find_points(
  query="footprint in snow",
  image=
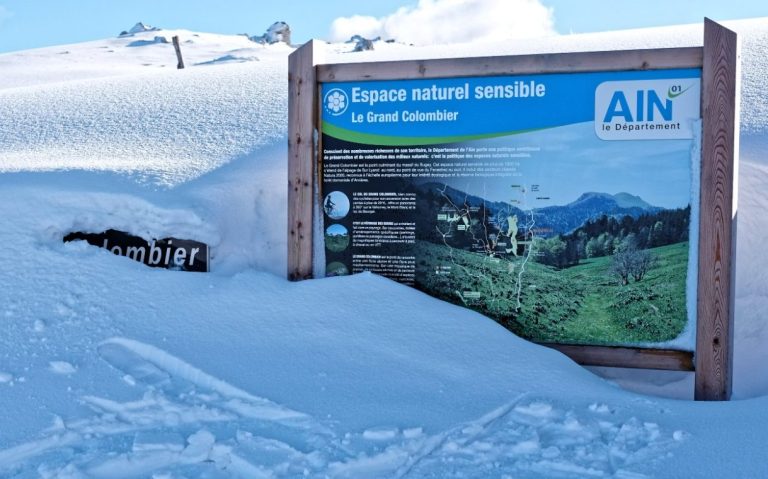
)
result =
(185, 423)
(523, 439)
(62, 367)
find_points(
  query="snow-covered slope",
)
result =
(126, 55)
(161, 124)
(110, 369)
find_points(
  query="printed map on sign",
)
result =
(558, 205)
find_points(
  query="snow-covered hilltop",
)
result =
(140, 50)
(112, 369)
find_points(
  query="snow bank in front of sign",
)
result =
(145, 371)
(139, 372)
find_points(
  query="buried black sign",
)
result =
(169, 253)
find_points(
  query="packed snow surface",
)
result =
(110, 369)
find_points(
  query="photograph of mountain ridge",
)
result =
(603, 269)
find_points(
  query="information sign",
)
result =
(558, 204)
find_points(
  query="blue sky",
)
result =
(35, 23)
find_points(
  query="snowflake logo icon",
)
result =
(336, 101)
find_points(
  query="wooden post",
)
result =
(302, 115)
(717, 238)
(177, 47)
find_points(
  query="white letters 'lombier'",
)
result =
(154, 255)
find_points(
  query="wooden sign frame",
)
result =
(719, 61)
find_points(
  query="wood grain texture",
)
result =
(302, 101)
(720, 101)
(690, 57)
(620, 357)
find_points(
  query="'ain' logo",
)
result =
(647, 104)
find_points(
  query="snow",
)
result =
(112, 369)
(62, 367)
(186, 124)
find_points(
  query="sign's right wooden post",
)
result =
(717, 232)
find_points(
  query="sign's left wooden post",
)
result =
(302, 110)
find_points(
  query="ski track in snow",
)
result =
(189, 422)
(526, 438)
(184, 420)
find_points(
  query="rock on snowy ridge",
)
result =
(277, 32)
(139, 28)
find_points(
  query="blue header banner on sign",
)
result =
(459, 109)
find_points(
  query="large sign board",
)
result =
(557, 204)
(567, 200)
